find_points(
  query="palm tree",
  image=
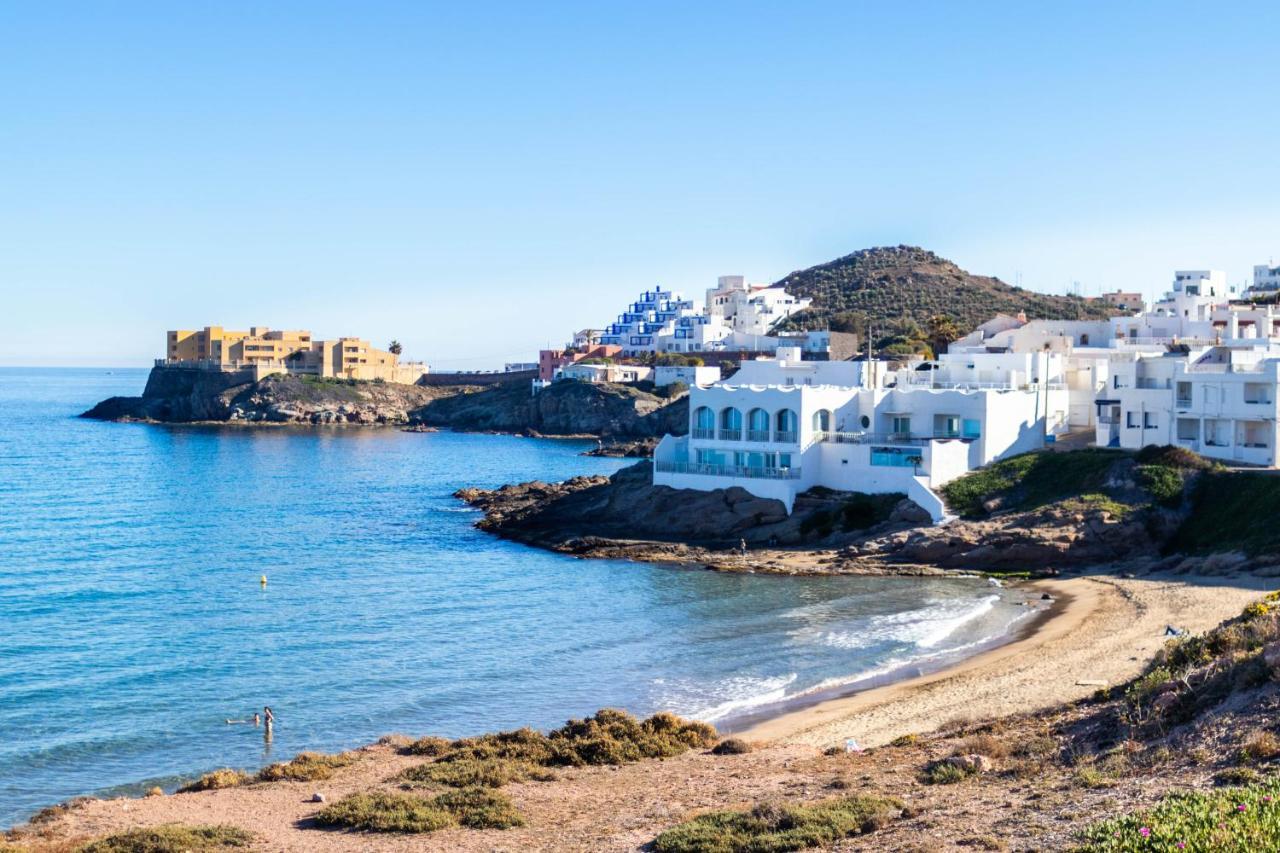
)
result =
(394, 348)
(942, 331)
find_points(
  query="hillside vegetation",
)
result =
(900, 289)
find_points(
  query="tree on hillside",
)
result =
(394, 348)
(942, 331)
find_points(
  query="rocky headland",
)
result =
(612, 412)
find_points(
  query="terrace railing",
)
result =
(741, 471)
(785, 437)
(730, 434)
(703, 432)
(757, 435)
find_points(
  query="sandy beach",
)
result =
(1103, 630)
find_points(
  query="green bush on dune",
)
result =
(172, 838)
(773, 829)
(475, 808)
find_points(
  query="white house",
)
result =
(690, 375)
(584, 372)
(1266, 281)
(782, 426)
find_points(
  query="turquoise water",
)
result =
(132, 622)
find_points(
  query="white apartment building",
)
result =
(738, 316)
(782, 426)
(1266, 281)
(1218, 401)
(690, 375)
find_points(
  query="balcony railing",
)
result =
(757, 435)
(785, 437)
(1183, 402)
(883, 438)
(730, 434)
(741, 471)
(701, 432)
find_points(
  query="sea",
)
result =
(134, 621)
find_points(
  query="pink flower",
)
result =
(1144, 832)
(1242, 807)
(1181, 845)
(1266, 799)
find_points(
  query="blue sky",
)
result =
(480, 179)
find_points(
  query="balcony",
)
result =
(730, 434)
(740, 471)
(700, 432)
(875, 438)
(1184, 402)
(786, 437)
(757, 435)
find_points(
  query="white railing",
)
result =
(757, 435)
(784, 437)
(703, 432)
(730, 434)
(741, 471)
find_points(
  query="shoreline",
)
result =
(1071, 605)
(802, 712)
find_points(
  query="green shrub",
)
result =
(305, 767)
(773, 829)
(476, 808)
(1225, 508)
(468, 773)
(1032, 480)
(383, 812)
(1163, 484)
(905, 740)
(172, 838)
(479, 808)
(944, 773)
(224, 778)
(1231, 820)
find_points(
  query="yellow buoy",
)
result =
(263, 580)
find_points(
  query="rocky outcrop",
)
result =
(563, 408)
(176, 395)
(638, 448)
(1055, 536)
(626, 515)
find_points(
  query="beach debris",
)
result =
(317, 797)
(1171, 631)
(851, 745)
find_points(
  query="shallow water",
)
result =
(133, 623)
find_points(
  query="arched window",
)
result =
(757, 425)
(704, 423)
(731, 424)
(822, 421)
(785, 426)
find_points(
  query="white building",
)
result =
(782, 426)
(585, 372)
(689, 374)
(738, 316)
(1266, 281)
(1218, 401)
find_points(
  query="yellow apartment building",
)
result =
(267, 351)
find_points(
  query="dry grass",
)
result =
(224, 778)
(306, 767)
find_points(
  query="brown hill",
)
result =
(901, 288)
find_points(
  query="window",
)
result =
(1149, 420)
(1131, 420)
(971, 428)
(901, 425)
(784, 460)
(821, 420)
(865, 421)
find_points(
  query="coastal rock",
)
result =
(971, 764)
(626, 513)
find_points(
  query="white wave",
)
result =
(741, 693)
(924, 628)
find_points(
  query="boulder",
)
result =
(972, 763)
